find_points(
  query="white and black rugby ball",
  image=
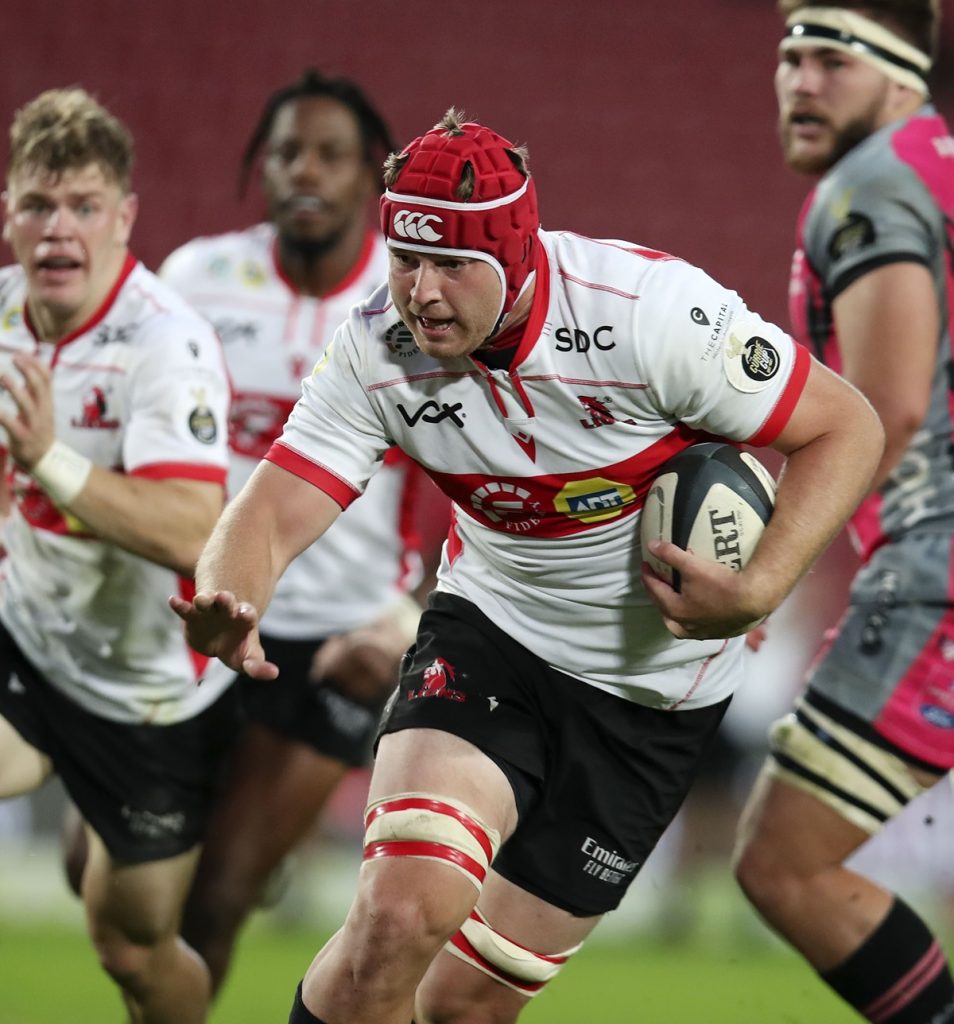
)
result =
(711, 499)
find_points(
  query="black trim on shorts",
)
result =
(822, 782)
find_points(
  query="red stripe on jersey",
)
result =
(411, 803)
(432, 851)
(180, 471)
(337, 488)
(559, 505)
(199, 661)
(785, 406)
(460, 942)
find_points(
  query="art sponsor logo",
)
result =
(598, 412)
(580, 341)
(436, 682)
(400, 341)
(418, 226)
(431, 412)
(604, 864)
(507, 504)
(594, 500)
(94, 412)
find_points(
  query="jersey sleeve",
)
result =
(711, 363)
(883, 215)
(334, 437)
(179, 400)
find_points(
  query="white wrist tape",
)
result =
(406, 614)
(62, 472)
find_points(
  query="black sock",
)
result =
(300, 1014)
(899, 975)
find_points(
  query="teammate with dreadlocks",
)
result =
(275, 293)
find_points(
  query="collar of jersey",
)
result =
(128, 267)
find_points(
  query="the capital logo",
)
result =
(411, 224)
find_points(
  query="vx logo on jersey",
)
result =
(597, 410)
(440, 413)
(437, 678)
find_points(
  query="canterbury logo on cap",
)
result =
(409, 224)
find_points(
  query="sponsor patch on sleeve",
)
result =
(202, 424)
(855, 232)
(750, 360)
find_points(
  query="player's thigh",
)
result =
(442, 765)
(273, 792)
(141, 901)
(23, 768)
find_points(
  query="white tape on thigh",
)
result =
(513, 965)
(431, 827)
(793, 741)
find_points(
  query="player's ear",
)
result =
(128, 209)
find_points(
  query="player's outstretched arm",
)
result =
(833, 443)
(273, 518)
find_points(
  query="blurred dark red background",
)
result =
(645, 121)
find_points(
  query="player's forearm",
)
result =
(164, 521)
(822, 483)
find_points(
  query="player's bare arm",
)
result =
(272, 519)
(833, 435)
(889, 303)
(166, 521)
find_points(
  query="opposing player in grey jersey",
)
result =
(871, 292)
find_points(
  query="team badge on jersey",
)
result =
(750, 360)
(855, 233)
(202, 420)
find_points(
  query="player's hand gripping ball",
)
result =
(712, 500)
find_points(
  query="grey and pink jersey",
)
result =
(889, 200)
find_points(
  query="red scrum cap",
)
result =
(497, 223)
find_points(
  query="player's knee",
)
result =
(128, 963)
(446, 838)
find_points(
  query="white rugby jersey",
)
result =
(141, 388)
(273, 336)
(628, 356)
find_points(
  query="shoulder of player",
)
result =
(12, 285)
(220, 259)
(158, 312)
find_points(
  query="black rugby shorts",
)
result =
(146, 790)
(597, 778)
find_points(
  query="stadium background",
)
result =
(646, 121)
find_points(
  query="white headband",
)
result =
(840, 29)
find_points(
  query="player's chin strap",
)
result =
(521, 969)
(839, 29)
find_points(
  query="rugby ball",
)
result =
(711, 499)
